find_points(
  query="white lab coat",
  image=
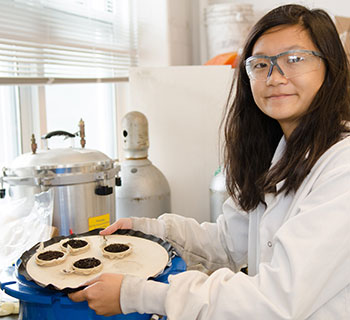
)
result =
(297, 250)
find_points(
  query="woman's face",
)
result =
(278, 97)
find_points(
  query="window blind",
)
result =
(62, 41)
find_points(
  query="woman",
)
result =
(287, 159)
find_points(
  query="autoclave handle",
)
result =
(103, 190)
(58, 133)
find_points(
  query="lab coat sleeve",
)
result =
(142, 296)
(208, 245)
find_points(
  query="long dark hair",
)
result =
(251, 137)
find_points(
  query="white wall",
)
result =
(165, 32)
(334, 7)
(184, 108)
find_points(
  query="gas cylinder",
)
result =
(218, 194)
(143, 191)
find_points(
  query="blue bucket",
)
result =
(45, 304)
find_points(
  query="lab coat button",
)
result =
(269, 244)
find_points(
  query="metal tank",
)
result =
(218, 194)
(144, 191)
(82, 180)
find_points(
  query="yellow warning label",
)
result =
(102, 221)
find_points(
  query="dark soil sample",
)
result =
(116, 247)
(87, 263)
(50, 255)
(75, 244)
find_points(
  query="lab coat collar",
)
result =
(277, 156)
(279, 151)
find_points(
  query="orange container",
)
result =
(229, 58)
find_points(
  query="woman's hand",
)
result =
(102, 294)
(123, 223)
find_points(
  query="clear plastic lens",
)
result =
(291, 64)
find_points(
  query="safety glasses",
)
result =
(290, 64)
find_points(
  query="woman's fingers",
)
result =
(80, 295)
(77, 296)
(123, 223)
(110, 229)
(102, 294)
